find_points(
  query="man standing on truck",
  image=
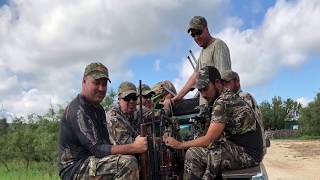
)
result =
(214, 52)
(233, 139)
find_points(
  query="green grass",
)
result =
(307, 137)
(36, 171)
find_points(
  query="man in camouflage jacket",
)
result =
(231, 80)
(85, 151)
(121, 121)
(242, 144)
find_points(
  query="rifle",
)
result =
(194, 59)
(166, 163)
(144, 157)
(191, 63)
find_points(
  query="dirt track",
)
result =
(293, 159)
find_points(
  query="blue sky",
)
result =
(45, 46)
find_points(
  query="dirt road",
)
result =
(293, 159)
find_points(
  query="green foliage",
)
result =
(32, 139)
(309, 122)
(109, 100)
(4, 151)
(278, 114)
(36, 171)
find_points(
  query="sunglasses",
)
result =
(130, 97)
(196, 33)
(148, 96)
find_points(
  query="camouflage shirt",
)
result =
(123, 129)
(248, 98)
(240, 122)
(82, 134)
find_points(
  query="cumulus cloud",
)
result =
(303, 101)
(45, 45)
(285, 38)
(157, 65)
(185, 73)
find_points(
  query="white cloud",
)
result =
(303, 101)
(45, 45)
(31, 101)
(287, 35)
(157, 65)
(185, 73)
(285, 38)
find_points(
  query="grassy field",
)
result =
(36, 171)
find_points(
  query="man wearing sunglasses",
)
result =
(122, 119)
(85, 150)
(147, 94)
(214, 52)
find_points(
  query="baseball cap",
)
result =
(205, 75)
(229, 75)
(97, 70)
(162, 87)
(126, 88)
(145, 90)
(197, 23)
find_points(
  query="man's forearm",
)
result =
(186, 88)
(123, 149)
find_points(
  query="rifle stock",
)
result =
(144, 157)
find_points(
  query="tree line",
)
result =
(35, 138)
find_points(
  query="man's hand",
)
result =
(166, 103)
(176, 98)
(140, 144)
(172, 142)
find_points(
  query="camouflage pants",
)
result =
(206, 163)
(120, 167)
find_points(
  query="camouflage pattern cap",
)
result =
(145, 90)
(126, 88)
(97, 71)
(162, 88)
(197, 23)
(205, 75)
(229, 75)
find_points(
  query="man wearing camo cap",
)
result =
(231, 117)
(231, 80)
(163, 90)
(214, 52)
(85, 150)
(146, 94)
(123, 118)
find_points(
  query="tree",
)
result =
(309, 122)
(109, 100)
(278, 113)
(4, 150)
(21, 139)
(266, 112)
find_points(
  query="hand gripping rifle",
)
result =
(164, 162)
